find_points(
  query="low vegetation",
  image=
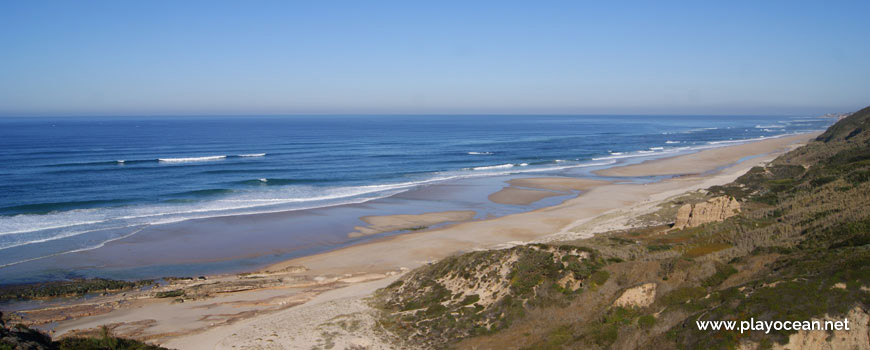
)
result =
(19, 337)
(799, 250)
(483, 292)
(76, 287)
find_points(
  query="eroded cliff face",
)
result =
(482, 292)
(640, 296)
(714, 209)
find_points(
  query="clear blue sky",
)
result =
(285, 57)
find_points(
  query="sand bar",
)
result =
(521, 196)
(409, 222)
(528, 190)
(563, 184)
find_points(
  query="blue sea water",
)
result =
(63, 178)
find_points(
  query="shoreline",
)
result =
(143, 254)
(356, 259)
(694, 163)
(520, 230)
(383, 257)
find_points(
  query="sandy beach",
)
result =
(701, 162)
(412, 250)
(290, 175)
(334, 284)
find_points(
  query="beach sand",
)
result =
(521, 196)
(409, 222)
(564, 184)
(529, 190)
(701, 162)
(339, 276)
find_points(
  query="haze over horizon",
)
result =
(105, 58)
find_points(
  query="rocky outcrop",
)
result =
(714, 209)
(20, 337)
(23, 338)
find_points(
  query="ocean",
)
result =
(74, 184)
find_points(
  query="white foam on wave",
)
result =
(726, 142)
(525, 169)
(191, 159)
(690, 131)
(643, 153)
(97, 246)
(253, 155)
(480, 153)
(25, 229)
(773, 126)
(25, 223)
(491, 167)
(59, 225)
(671, 142)
(656, 151)
(82, 229)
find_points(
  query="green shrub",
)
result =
(658, 247)
(723, 271)
(600, 277)
(682, 296)
(77, 287)
(170, 294)
(646, 321)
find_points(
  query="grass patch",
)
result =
(170, 294)
(76, 287)
(704, 249)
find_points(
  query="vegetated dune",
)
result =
(798, 250)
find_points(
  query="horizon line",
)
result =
(300, 114)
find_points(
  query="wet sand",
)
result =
(522, 196)
(526, 191)
(389, 223)
(701, 162)
(564, 184)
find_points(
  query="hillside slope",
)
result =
(799, 250)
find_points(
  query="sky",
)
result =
(67, 58)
